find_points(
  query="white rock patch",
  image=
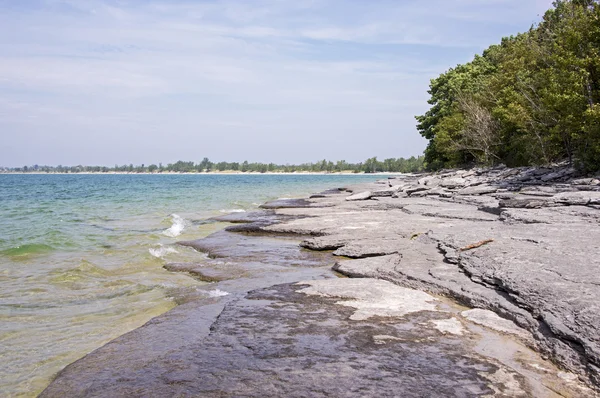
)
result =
(449, 326)
(372, 297)
(384, 338)
(493, 321)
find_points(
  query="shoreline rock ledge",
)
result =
(463, 283)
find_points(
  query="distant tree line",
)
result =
(372, 165)
(533, 99)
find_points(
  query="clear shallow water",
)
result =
(81, 256)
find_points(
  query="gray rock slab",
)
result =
(492, 320)
(300, 340)
(360, 196)
(415, 190)
(526, 202)
(453, 182)
(384, 192)
(578, 198)
(477, 190)
(521, 276)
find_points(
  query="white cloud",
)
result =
(278, 76)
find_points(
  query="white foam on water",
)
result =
(161, 251)
(177, 228)
(217, 293)
(232, 211)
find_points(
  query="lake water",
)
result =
(81, 256)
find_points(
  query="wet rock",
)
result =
(334, 191)
(291, 203)
(205, 273)
(247, 217)
(251, 249)
(252, 222)
(271, 341)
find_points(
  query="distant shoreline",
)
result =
(209, 172)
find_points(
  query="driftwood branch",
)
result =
(476, 245)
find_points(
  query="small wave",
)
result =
(177, 228)
(232, 211)
(161, 251)
(28, 249)
(217, 293)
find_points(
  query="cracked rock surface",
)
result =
(538, 264)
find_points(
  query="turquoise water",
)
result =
(81, 256)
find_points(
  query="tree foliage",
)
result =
(532, 99)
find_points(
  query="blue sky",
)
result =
(117, 81)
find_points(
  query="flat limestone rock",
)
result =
(453, 182)
(360, 196)
(578, 198)
(529, 273)
(478, 190)
(492, 320)
(304, 340)
(372, 297)
(526, 203)
(367, 248)
(384, 192)
(540, 270)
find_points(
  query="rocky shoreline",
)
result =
(480, 282)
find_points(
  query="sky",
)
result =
(104, 82)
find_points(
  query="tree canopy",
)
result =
(532, 99)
